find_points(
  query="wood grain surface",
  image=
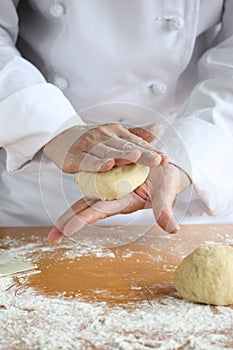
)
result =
(146, 264)
(120, 275)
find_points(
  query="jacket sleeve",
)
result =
(200, 140)
(32, 111)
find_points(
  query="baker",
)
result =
(67, 67)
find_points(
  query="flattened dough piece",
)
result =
(13, 266)
(206, 275)
(114, 183)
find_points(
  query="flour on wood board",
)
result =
(38, 322)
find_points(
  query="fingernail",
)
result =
(175, 230)
(164, 159)
(172, 226)
(59, 240)
(163, 155)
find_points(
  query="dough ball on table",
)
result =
(114, 183)
(206, 275)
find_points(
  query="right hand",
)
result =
(100, 148)
(158, 192)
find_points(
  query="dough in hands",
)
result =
(114, 183)
(206, 275)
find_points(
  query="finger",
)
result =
(73, 163)
(87, 211)
(162, 201)
(149, 152)
(138, 142)
(75, 209)
(165, 159)
(163, 214)
(167, 221)
(122, 161)
(105, 151)
(147, 157)
(55, 235)
(142, 191)
(103, 133)
(145, 145)
(100, 134)
(102, 210)
(148, 132)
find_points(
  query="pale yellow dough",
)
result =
(206, 275)
(114, 183)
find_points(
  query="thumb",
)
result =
(162, 192)
(148, 132)
(166, 220)
(163, 212)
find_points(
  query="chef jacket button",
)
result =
(176, 22)
(57, 10)
(60, 82)
(158, 88)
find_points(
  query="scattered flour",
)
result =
(41, 323)
(29, 321)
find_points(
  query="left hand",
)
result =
(99, 148)
(159, 192)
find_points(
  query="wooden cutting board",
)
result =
(118, 276)
(147, 263)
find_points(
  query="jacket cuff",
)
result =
(197, 147)
(35, 115)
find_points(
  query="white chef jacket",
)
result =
(69, 62)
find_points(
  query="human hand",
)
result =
(159, 192)
(99, 148)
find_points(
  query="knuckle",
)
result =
(141, 142)
(70, 168)
(119, 127)
(100, 128)
(65, 169)
(128, 146)
(116, 126)
(85, 142)
(103, 130)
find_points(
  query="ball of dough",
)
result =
(206, 275)
(114, 183)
